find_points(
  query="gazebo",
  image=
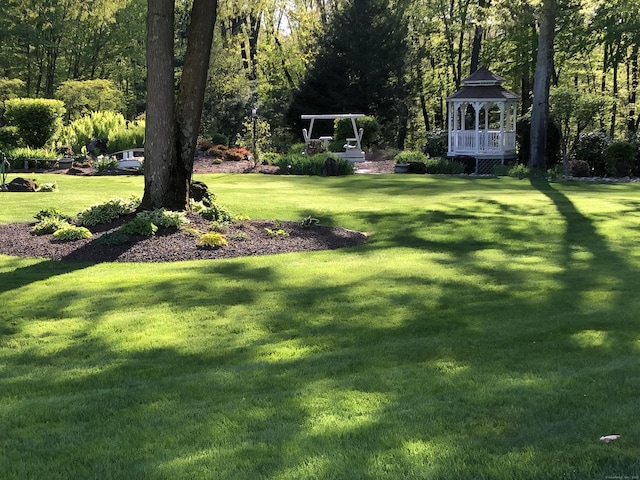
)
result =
(482, 120)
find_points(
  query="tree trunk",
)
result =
(477, 36)
(192, 87)
(160, 162)
(632, 126)
(541, 83)
(172, 125)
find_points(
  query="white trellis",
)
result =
(482, 119)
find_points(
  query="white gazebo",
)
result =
(482, 119)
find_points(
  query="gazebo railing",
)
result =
(482, 142)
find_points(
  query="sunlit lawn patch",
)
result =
(487, 330)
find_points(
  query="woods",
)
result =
(395, 60)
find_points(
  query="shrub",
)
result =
(48, 187)
(122, 135)
(620, 158)
(114, 238)
(270, 158)
(139, 226)
(212, 240)
(591, 147)
(214, 212)
(309, 222)
(523, 138)
(407, 156)
(9, 138)
(38, 120)
(220, 139)
(106, 212)
(217, 151)
(164, 218)
(276, 232)
(436, 144)
(500, 170)
(51, 212)
(17, 156)
(105, 164)
(442, 166)
(71, 232)
(297, 149)
(343, 129)
(49, 225)
(579, 168)
(298, 164)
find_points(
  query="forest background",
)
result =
(396, 60)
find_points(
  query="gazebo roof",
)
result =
(484, 85)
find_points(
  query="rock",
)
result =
(330, 168)
(199, 192)
(20, 184)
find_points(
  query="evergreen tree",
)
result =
(360, 67)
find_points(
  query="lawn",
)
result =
(489, 329)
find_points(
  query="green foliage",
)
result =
(501, 170)
(220, 227)
(213, 212)
(220, 139)
(521, 171)
(343, 129)
(309, 222)
(106, 212)
(297, 149)
(621, 158)
(70, 233)
(9, 138)
(81, 97)
(436, 144)
(164, 218)
(299, 164)
(51, 212)
(17, 156)
(38, 120)
(276, 232)
(106, 163)
(114, 238)
(48, 225)
(270, 158)
(407, 156)
(48, 187)
(579, 168)
(122, 135)
(442, 166)
(212, 240)
(591, 148)
(139, 226)
(554, 141)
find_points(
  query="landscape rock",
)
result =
(20, 184)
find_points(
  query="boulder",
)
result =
(199, 192)
(20, 184)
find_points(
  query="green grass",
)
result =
(489, 329)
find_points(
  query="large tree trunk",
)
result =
(477, 36)
(172, 125)
(160, 162)
(541, 83)
(192, 87)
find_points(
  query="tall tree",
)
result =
(360, 67)
(541, 84)
(172, 124)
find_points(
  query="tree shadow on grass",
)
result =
(409, 381)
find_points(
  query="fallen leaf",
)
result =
(609, 438)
